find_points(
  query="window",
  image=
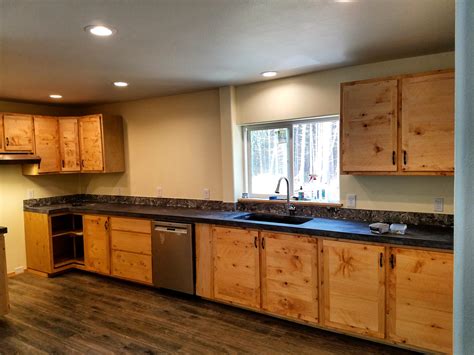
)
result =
(304, 151)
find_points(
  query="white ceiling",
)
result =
(170, 46)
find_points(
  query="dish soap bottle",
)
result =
(301, 194)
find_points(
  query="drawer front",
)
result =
(131, 242)
(131, 225)
(131, 266)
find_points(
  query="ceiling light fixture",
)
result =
(100, 31)
(269, 74)
(55, 96)
(120, 84)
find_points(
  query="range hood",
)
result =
(18, 158)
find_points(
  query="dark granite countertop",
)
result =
(417, 236)
(3, 230)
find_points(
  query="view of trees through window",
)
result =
(313, 164)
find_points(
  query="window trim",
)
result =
(277, 125)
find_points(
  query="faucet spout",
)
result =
(290, 207)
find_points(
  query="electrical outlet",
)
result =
(351, 200)
(439, 204)
(30, 193)
(19, 270)
(207, 193)
(159, 191)
(119, 191)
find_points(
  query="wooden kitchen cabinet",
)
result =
(101, 144)
(369, 126)
(4, 298)
(289, 276)
(236, 266)
(420, 307)
(402, 125)
(427, 122)
(96, 243)
(18, 133)
(2, 145)
(47, 143)
(354, 287)
(39, 251)
(69, 144)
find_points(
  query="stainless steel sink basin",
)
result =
(274, 218)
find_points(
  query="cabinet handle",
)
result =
(7, 141)
(393, 158)
(106, 225)
(263, 243)
(404, 157)
(82, 162)
(381, 260)
(392, 261)
(255, 242)
(62, 162)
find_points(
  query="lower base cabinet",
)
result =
(96, 243)
(131, 266)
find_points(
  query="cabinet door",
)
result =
(428, 123)
(369, 126)
(38, 243)
(47, 143)
(90, 136)
(96, 243)
(2, 145)
(69, 144)
(4, 299)
(18, 131)
(132, 266)
(290, 275)
(236, 266)
(354, 287)
(420, 303)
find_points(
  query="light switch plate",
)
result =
(159, 191)
(351, 200)
(30, 193)
(207, 193)
(439, 204)
(19, 270)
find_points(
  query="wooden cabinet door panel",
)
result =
(96, 243)
(18, 131)
(132, 266)
(290, 276)
(2, 138)
(47, 143)
(38, 242)
(354, 287)
(420, 308)
(90, 135)
(69, 144)
(236, 266)
(133, 242)
(131, 225)
(428, 122)
(369, 126)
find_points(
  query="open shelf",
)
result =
(67, 240)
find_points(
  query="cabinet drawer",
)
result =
(131, 225)
(131, 266)
(131, 242)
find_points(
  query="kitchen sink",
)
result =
(274, 218)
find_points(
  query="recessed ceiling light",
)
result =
(120, 84)
(269, 74)
(100, 31)
(55, 96)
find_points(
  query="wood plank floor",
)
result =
(84, 313)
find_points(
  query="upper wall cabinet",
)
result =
(18, 133)
(398, 126)
(89, 144)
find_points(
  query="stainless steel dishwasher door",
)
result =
(173, 257)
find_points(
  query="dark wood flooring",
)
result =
(84, 313)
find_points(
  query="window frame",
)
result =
(278, 125)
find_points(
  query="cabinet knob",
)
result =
(7, 141)
(392, 261)
(263, 243)
(255, 242)
(62, 162)
(404, 157)
(106, 225)
(381, 260)
(393, 158)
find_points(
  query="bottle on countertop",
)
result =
(301, 193)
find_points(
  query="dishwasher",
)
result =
(173, 256)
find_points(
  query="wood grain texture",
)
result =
(114, 158)
(369, 118)
(96, 243)
(130, 225)
(204, 261)
(91, 143)
(39, 254)
(289, 275)
(139, 243)
(132, 266)
(84, 313)
(69, 144)
(236, 266)
(420, 308)
(18, 132)
(2, 138)
(4, 297)
(354, 287)
(427, 122)
(47, 143)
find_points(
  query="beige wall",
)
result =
(14, 187)
(317, 94)
(171, 142)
